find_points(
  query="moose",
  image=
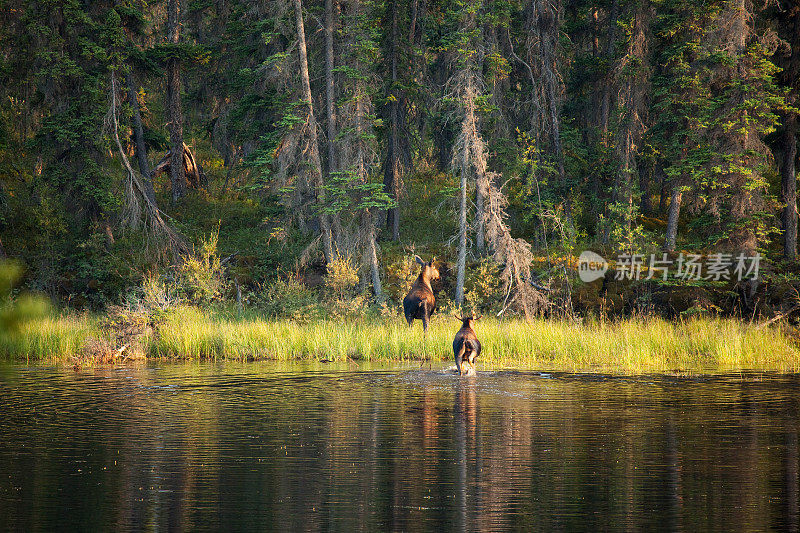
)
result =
(420, 301)
(466, 346)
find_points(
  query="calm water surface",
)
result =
(260, 447)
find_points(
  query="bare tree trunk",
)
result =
(480, 224)
(605, 106)
(462, 231)
(481, 190)
(330, 100)
(412, 27)
(672, 219)
(472, 155)
(391, 170)
(662, 189)
(133, 212)
(789, 169)
(645, 204)
(109, 234)
(543, 25)
(549, 28)
(177, 177)
(631, 97)
(138, 135)
(316, 163)
(789, 187)
(371, 252)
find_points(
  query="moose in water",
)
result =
(420, 301)
(466, 346)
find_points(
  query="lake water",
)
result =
(264, 447)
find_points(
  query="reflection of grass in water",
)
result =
(630, 346)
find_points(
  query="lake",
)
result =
(312, 447)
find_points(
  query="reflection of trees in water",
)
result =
(792, 508)
(359, 452)
(675, 473)
(108, 455)
(155, 489)
(791, 480)
(464, 413)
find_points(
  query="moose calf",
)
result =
(420, 301)
(466, 346)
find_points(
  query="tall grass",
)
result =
(626, 346)
(50, 339)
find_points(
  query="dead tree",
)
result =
(357, 152)
(310, 126)
(140, 210)
(469, 154)
(398, 153)
(791, 74)
(672, 218)
(331, 6)
(194, 177)
(140, 149)
(177, 179)
(513, 254)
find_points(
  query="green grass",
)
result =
(626, 346)
(51, 339)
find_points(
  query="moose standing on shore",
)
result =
(466, 346)
(420, 301)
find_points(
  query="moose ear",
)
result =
(432, 260)
(419, 260)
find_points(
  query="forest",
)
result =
(292, 156)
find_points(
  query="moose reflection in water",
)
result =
(465, 421)
(420, 301)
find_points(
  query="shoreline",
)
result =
(626, 346)
(439, 370)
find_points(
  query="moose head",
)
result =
(429, 271)
(468, 321)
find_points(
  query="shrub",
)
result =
(287, 297)
(483, 289)
(200, 278)
(341, 280)
(341, 286)
(156, 293)
(400, 275)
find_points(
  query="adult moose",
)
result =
(420, 301)
(466, 346)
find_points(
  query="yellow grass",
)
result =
(625, 346)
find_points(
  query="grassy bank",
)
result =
(628, 346)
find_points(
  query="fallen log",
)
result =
(195, 177)
(778, 317)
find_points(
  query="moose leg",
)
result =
(425, 318)
(408, 313)
(459, 360)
